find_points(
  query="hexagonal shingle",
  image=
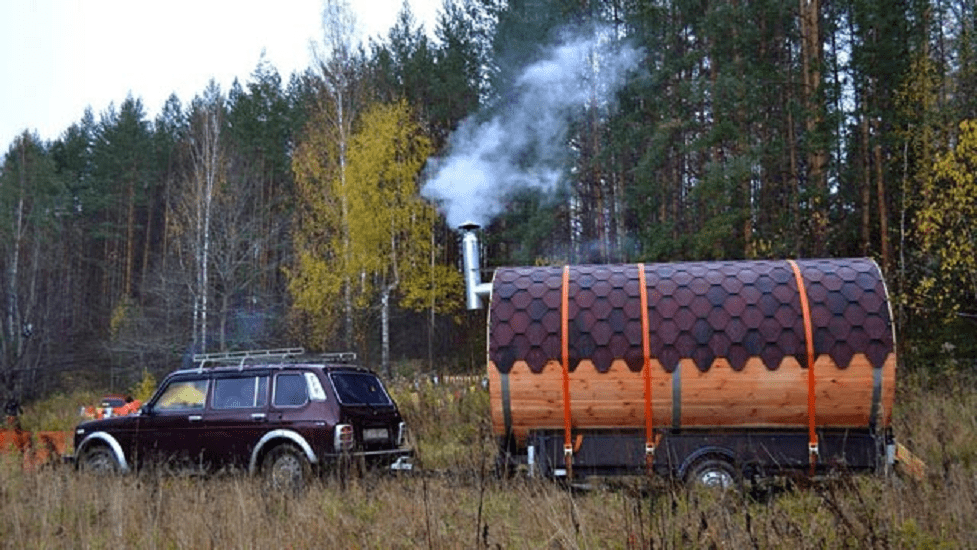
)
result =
(841, 353)
(719, 344)
(703, 357)
(537, 310)
(683, 296)
(536, 333)
(601, 332)
(717, 296)
(536, 359)
(684, 319)
(521, 300)
(668, 307)
(585, 298)
(617, 298)
(718, 319)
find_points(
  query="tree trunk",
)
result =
(130, 237)
(385, 330)
(866, 189)
(811, 46)
(12, 339)
(207, 172)
(883, 211)
(793, 190)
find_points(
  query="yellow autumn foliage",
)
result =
(947, 225)
(371, 228)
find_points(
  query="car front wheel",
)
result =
(98, 459)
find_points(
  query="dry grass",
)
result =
(55, 508)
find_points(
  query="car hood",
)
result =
(114, 422)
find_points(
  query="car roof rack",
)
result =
(336, 356)
(240, 357)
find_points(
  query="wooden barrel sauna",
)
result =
(713, 345)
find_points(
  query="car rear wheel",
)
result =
(286, 468)
(98, 459)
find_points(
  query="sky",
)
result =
(58, 57)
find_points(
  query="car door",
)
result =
(367, 405)
(236, 418)
(290, 396)
(171, 429)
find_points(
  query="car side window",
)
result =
(183, 394)
(240, 392)
(291, 390)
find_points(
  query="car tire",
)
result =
(286, 469)
(98, 459)
(713, 472)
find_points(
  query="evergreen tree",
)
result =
(456, 76)
(262, 133)
(121, 173)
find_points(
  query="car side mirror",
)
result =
(145, 410)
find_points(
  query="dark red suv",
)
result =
(278, 412)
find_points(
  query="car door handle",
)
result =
(195, 418)
(259, 417)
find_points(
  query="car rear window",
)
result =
(357, 387)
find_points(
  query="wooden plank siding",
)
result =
(720, 397)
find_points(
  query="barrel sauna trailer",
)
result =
(704, 370)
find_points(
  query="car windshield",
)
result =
(356, 387)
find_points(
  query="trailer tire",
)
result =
(713, 472)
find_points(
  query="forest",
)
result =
(320, 208)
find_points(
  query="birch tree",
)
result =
(390, 225)
(338, 66)
(193, 208)
(946, 228)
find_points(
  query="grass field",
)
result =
(470, 508)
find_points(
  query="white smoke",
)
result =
(525, 145)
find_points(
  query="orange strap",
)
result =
(565, 309)
(646, 369)
(812, 435)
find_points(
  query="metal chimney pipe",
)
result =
(475, 290)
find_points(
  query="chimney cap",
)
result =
(469, 226)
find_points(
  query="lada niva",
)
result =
(281, 413)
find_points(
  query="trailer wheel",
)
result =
(713, 472)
